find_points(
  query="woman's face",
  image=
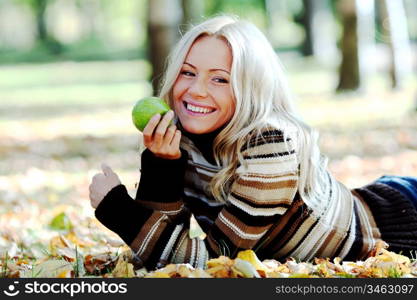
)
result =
(203, 99)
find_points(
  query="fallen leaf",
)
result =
(48, 269)
(61, 222)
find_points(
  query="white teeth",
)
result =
(198, 109)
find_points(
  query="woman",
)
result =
(245, 166)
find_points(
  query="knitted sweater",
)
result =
(263, 210)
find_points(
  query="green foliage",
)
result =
(79, 269)
(61, 222)
(251, 10)
(394, 273)
(91, 49)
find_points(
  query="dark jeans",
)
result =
(405, 184)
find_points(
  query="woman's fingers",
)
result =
(161, 138)
(101, 184)
(98, 177)
(169, 135)
(175, 143)
(106, 169)
(111, 176)
(161, 130)
(149, 130)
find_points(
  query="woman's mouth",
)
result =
(197, 110)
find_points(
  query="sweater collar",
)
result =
(203, 142)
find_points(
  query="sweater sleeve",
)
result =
(148, 232)
(147, 224)
(162, 182)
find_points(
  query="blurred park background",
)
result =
(71, 70)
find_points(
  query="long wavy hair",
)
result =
(262, 98)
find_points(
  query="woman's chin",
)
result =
(196, 128)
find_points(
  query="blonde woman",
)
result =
(242, 162)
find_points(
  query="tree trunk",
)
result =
(53, 46)
(319, 24)
(366, 39)
(193, 11)
(163, 22)
(396, 32)
(307, 22)
(349, 78)
(40, 9)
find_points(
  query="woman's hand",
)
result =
(161, 140)
(101, 184)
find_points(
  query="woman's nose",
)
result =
(198, 88)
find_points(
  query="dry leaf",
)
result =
(123, 269)
(251, 257)
(49, 269)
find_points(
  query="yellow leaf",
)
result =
(251, 257)
(184, 270)
(55, 243)
(71, 236)
(388, 256)
(123, 269)
(246, 268)
(199, 273)
(157, 275)
(221, 260)
(65, 274)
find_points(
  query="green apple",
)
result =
(146, 108)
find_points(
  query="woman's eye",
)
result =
(220, 80)
(187, 73)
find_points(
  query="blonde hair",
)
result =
(262, 97)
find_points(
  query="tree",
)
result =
(349, 69)
(320, 37)
(394, 25)
(39, 8)
(357, 43)
(164, 17)
(193, 11)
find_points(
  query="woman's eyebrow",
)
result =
(187, 63)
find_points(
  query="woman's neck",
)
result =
(204, 142)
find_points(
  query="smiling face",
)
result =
(203, 99)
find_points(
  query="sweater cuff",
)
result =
(150, 162)
(161, 180)
(118, 212)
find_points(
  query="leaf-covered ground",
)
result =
(58, 122)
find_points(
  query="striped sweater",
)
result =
(263, 210)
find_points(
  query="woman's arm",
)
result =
(148, 223)
(145, 230)
(158, 206)
(161, 182)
